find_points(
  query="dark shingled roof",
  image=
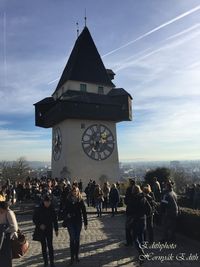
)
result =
(85, 63)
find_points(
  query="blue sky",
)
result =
(153, 46)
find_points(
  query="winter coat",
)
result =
(169, 204)
(114, 196)
(46, 216)
(74, 210)
(139, 206)
(98, 195)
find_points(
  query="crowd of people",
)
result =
(144, 206)
(58, 199)
(102, 197)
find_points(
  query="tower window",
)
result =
(100, 90)
(82, 125)
(83, 87)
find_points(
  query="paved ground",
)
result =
(102, 245)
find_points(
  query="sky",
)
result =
(152, 46)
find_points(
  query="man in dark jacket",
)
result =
(139, 209)
(169, 208)
(45, 220)
(128, 225)
(114, 198)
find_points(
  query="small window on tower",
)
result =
(82, 125)
(83, 87)
(100, 90)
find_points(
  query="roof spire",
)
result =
(85, 18)
(77, 30)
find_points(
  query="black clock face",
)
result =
(57, 143)
(98, 142)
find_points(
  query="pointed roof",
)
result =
(85, 63)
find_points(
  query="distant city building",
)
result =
(175, 164)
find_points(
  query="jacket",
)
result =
(114, 196)
(74, 210)
(169, 204)
(46, 216)
(139, 206)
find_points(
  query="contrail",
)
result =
(197, 25)
(155, 29)
(4, 49)
(145, 56)
(53, 81)
(129, 63)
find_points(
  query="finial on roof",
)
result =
(77, 29)
(85, 18)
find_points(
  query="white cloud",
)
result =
(171, 132)
(3, 123)
(26, 84)
(34, 145)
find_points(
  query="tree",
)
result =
(180, 180)
(162, 174)
(21, 168)
(17, 170)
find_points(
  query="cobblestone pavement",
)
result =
(103, 245)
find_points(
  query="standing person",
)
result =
(45, 220)
(74, 211)
(98, 199)
(87, 192)
(8, 229)
(156, 189)
(170, 212)
(106, 191)
(92, 189)
(128, 224)
(150, 218)
(114, 198)
(64, 194)
(139, 209)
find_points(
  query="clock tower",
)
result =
(83, 112)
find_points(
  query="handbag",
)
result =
(19, 245)
(36, 234)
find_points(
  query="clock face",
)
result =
(57, 143)
(98, 142)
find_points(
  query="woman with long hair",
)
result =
(74, 211)
(98, 199)
(150, 218)
(106, 191)
(8, 229)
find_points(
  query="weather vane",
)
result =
(85, 18)
(77, 26)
